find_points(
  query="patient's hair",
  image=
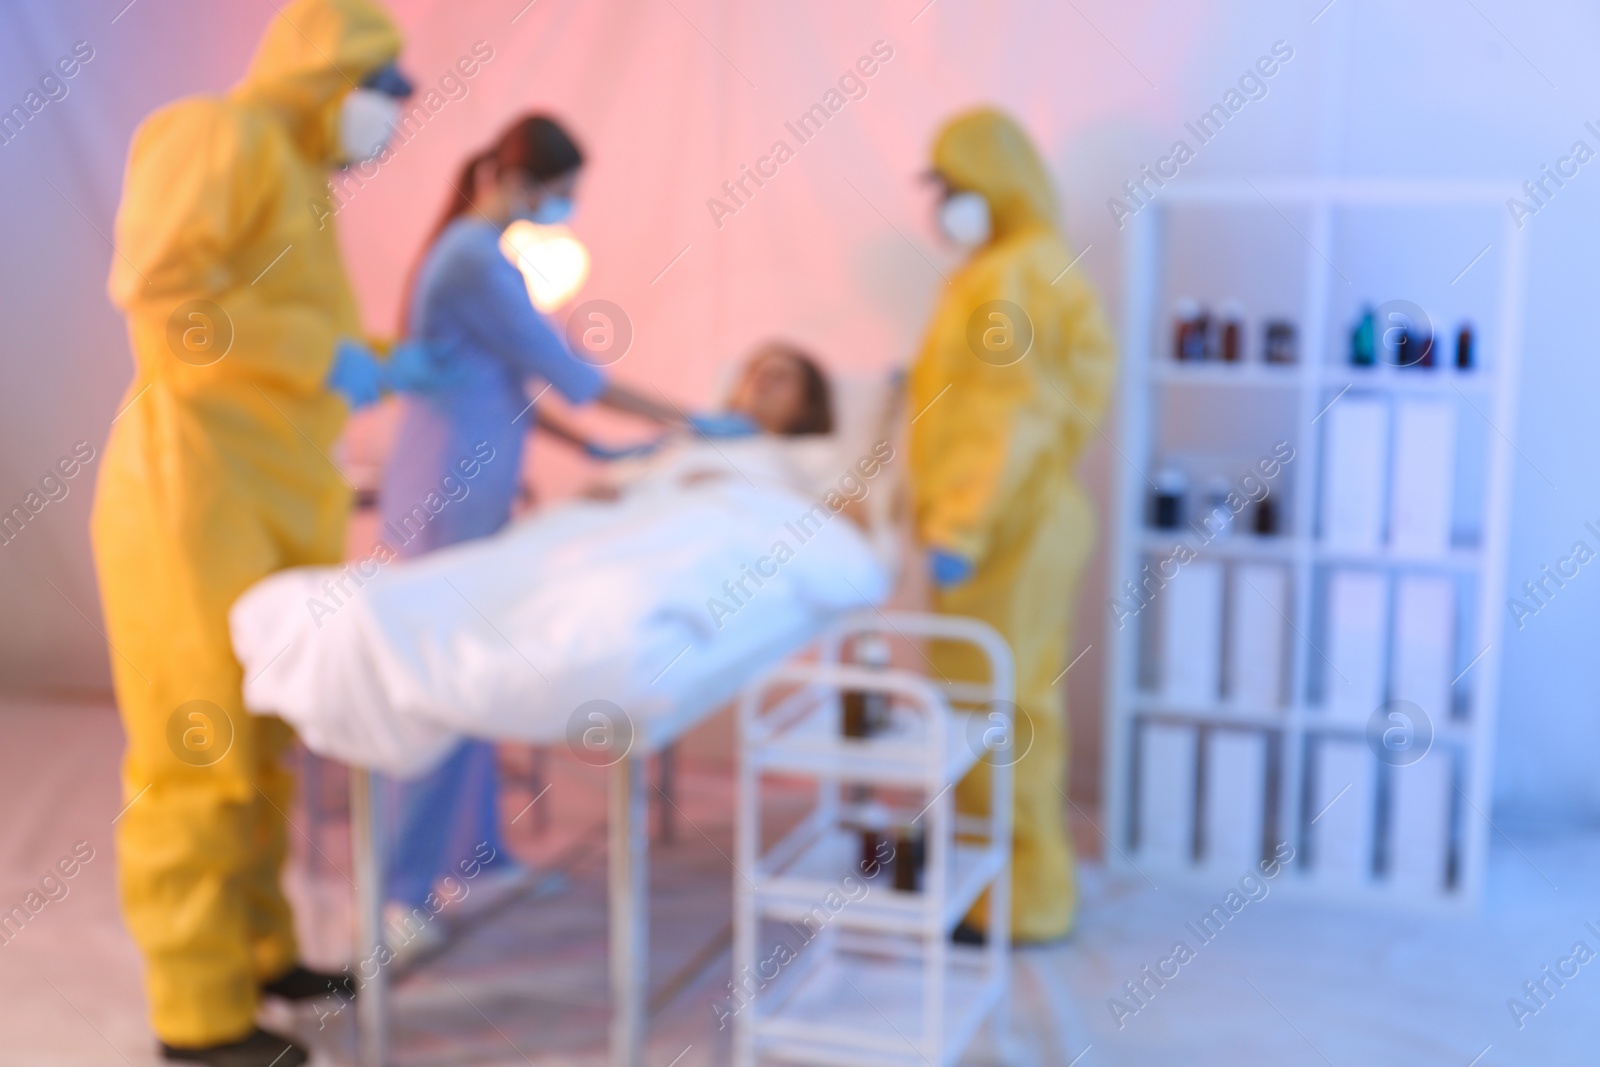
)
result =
(816, 412)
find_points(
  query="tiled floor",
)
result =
(1287, 982)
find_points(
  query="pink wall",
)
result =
(670, 98)
(1427, 88)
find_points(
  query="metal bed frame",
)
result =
(628, 891)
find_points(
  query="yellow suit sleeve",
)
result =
(962, 439)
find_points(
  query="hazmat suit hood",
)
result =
(985, 151)
(311, 55)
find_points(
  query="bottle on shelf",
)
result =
(1166, 507)
(1192, 330)
(1219, 516)
(870, 821)
(1280, 344)
(1265, 521)
(910, 857)
(1464, 347)
(1231, 332)
(905, 859)
(1364, 340)
(1421, 345)
(864, 713)
(1412, 348)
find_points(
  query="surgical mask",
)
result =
(552, 211)
(367, 119)
(964, 219)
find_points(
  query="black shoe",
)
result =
(258, 1049)
(967, 934)
(302, 983)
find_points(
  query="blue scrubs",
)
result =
(472, 305)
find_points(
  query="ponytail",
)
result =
(462, 192)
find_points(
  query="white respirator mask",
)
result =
(964, 219)
(367, 119)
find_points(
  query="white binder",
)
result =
(1341, 812)
(1166, 793)
(1191, 634)
(1358, 613)
(1424, 643)
(1259, 606)
(1235, 799)
(1422, 485)
(1419, 824)
(1357, 445)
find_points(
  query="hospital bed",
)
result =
(337, 685)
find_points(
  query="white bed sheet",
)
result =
(510, 636)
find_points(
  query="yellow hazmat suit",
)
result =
(1003, 395)
(217, 473)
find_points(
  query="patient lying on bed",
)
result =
(705, 564)
(786, 396)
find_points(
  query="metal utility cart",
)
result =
(877, 981)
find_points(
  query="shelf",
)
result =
(1212, 409)
(1454, 559)
(1445, 381)
(1283, 548)
(1276, 548)
(1308, 718)
(793, 891)
(1168, 371)
(1316, 721)
(1154, 705)
(812, 745)
(1335, 378)
(866, 1011)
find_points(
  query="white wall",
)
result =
(1425, 88)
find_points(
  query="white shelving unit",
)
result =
(1318, 248)
(874, 980)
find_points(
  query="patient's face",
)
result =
(772, 392)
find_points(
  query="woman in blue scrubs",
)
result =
(470, 303)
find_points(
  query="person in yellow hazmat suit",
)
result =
(1016, 366)
(218, 471)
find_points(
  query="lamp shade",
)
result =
(552, 261)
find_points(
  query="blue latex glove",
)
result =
(594, 450)
(948, 568)
(356, 374)
(730, 424)
(416, 367)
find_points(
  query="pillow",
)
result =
(865, 411)
(866, 427)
